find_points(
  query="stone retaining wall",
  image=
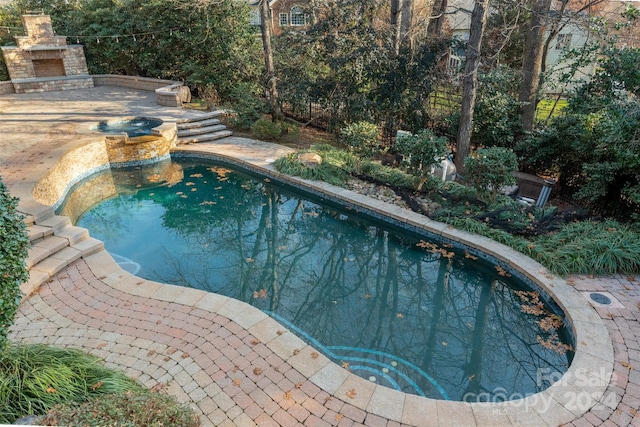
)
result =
(169, 93)
(6, 87)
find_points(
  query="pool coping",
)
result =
(580, 388)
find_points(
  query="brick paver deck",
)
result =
(191, 344)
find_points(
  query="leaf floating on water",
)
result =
(502, 272)
(444, 343)
(218, 188)
(153, 178)
(469, 256)
(351, 394)
(264, 293)
(179, 193)
(152, 194)
(249, 260)
(267, 180)
(471, 377)
(256, 295)
(189, 184)
(207, 202)
(399, 315)
(196, 175)
(184, 196)
(345, 365)
(282, 248)
(367, 296)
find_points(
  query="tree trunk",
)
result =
(532, 63)
(271, 89)
(396, 22)
(470, 81)
(437, 23)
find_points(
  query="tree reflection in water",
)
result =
(425, 320)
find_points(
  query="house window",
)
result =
(564, 41)
(283, 19)
(254, 18)
(297, 16)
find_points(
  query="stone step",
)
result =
(44, 249)
(205, 137)
(56, 222)
(73, 234)
(206, 116)
(38, 232)
(201, 130)
(197, 124)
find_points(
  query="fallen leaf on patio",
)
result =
(280, 332)
(171, 350)
(237, 381)
(257, 371)
(255, 342)
(151, 352)
(351, 394)
(314, 355)
(101, 345)
(287, 395)
(299, 385)
(626, 365)
(184, 355)
(296, 352)
(339, 417)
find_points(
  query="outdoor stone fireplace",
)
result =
(42, 61)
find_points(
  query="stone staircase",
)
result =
(204, 128)
(55, 244)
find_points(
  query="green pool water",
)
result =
(393, 307)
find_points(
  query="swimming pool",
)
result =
(395, 308)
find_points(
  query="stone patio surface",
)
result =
(233, 365)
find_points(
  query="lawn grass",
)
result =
(551, 107)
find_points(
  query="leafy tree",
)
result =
(13, 253)
(496, 120)
(594, 146)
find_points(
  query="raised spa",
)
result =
(137, 126)
(414, 314)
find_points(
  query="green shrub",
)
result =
(124, 409)
(13, 253)
(34, 378)
(329, 170)
(247, 107)
(361, 138)
(272, 131)
(421, 151)
(490, 169)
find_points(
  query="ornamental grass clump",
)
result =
(34, 378)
